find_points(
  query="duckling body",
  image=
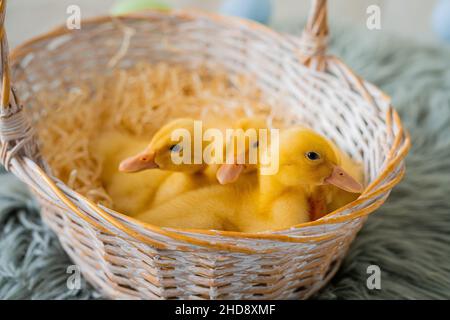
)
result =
(239, 206)
(278, 206)
(214, 207)
(178, 183)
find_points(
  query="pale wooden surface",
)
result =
(410, 18)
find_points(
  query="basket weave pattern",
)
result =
(125, 258)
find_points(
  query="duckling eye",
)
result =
(256, 144)
(175, 148)
(312, 155)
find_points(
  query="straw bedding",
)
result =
(408, 238)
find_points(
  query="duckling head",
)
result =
(171, 149)
(242, 149)
(307, 158)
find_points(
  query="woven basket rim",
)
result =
(62, 29)
(396, 155)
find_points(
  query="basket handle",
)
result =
(16, 134)
(314, 39)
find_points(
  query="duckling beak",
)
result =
(343, 180)
(229, 173)
(139, 162)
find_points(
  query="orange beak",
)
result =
(343, 180)
(229, 173)
(139, 162)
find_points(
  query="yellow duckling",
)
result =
(166, 152)
(130, 193)
(261, 202)
(306, 161)
(322, 199)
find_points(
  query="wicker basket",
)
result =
(125, 258)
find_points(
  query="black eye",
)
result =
(175, 148)
(312, 155)
(256, 144)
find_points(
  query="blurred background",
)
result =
(407, 18)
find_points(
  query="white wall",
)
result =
(409, 18)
